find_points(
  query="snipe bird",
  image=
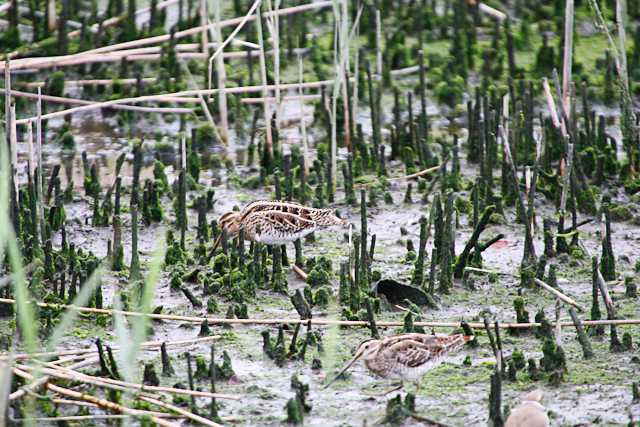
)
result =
(530, 413)
(276, 222)
(405, 356)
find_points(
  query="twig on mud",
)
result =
(417, 174)
(558, 294)
(180, 411)
(300, 272)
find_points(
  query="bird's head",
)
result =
(366, 350)
(230, 223)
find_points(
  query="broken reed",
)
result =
(315, 321)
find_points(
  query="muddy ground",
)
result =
(595, 392)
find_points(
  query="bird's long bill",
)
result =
(216, 244)
(344, 369)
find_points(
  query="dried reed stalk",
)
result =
(568, 54)
(100, 402)
(94, 28)
(492, 12)
(71, 374)
(92, 82)
(558, 294)
(92, 350)
(178, 410)
(72, 101)
(417, 174)
(263, 78)
(20, 63)
(284, 98)
(316, 321)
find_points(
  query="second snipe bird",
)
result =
(276, 222)
(405, 356)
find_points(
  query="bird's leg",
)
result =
(418, 387)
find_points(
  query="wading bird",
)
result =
(276, 222)
(405, 356)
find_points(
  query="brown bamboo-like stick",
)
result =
(485, 271)
(30, 152)
(417, 174)
(52, 22)
(604, 290)
(558, 294)
(73, 374)
(94, 28)
(405, 71)
(34, 385)
(300, 272)
(551, 105)
(96, 400)
(72, 101)
(313, 97)
(19, 63)
(140, 54)
(196, 92)
(492, 12)
(178, 410)
(315, 321)
(85, 417)
(92, 82)
(14, 142)
(91, 350)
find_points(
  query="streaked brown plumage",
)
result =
(406, 356)
(530, 413)
(276, 222)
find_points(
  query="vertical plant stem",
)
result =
(222, 77)
(568, 49)
(303, 124)
(378, 44)
(263, 76)
(39, 154)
